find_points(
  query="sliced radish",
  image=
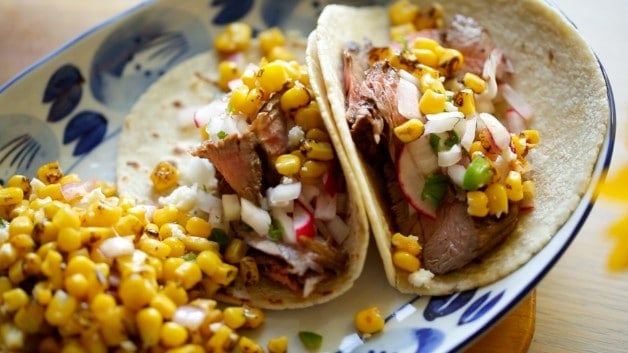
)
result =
(325, 208)
(338, 228)
(449, 157)
(412, 180)
(303, 222)
(424, 159)
(516, 101)
(256, 217)
(499, 133)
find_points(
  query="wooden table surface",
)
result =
(580, 305)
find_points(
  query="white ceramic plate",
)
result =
(71, 105)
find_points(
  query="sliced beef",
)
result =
(233, 155)
(455, 238)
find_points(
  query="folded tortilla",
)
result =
(158, 129)
(558, 75)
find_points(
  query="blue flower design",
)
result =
(417, 340)
(88, 128)
(439, 306)
(232, 10)
(479, 307)
(64, 89)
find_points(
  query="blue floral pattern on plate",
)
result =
(71, 107)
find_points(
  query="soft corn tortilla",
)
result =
(554, 70)
(152, 133)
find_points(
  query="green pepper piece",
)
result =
(310, 340)
(435, 142)
(435, 188)
(219, 236)
(479, 173)
(275, 230)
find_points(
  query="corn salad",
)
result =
(85, 270)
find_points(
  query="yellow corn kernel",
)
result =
(21, 225)
(177, 248)
(280, 53)
(112, 328)
(294, 98)
(474, 82)
(164, 305)
(235, 37)
(254, 317)
(188, 274)
(76, 285)
(432, 102)
(425, 43)
(102, 214)
(13, 299)
(198, 244)
(450, 61)
(60, 309)
(31, 264)
(222, 340)
(309, 117)
(42, 294)
(8, 255)
(477, 203)
(249, 272)
(208, 261)
(465, 101)
(66, 217)
(532, 138)
(288, 164)
(409, 130)
(235, 251)
(513, 184)
(177, 294)
(50, 173)
(431, 17)
(151, 229)
(278, 344)
(409, 244)
(29, 318)
(227, 71)
(497, 199)
(22, 241)
(402, 11)
(224, 274)
(16, 272)
(153, 247)
(312, 169)
(369, 320)
(51, 190)
(136, 291)
(238, 100)
(128, 224)
(233, 317)
(320, 151)
(22, 182)
(426, 56)
(69, 239)
(529, 189)
(172, 334)
(187, 348)
(273, 76)
(52, 263)
(247, 345)
(102, 303)
(165, 176)
(11, 195)
(318, 135)
(406, 261)
(170, 265)
(149, 321)
(12, 337)
(198, 227)
(166, 214)
(400, 31)
(270, 38)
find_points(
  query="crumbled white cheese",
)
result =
(420, 278)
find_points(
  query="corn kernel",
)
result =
(153, 247)
(402, 11)
(233, 317)
(149, 321)
(294, 98)
(12, 337)
(172, 334)
(128, 224)
(270, 38)
(318, 135)
(273, 76)
(235, 251)
(164, 215)
(320, 151)
(197, 226)
(426, 56)
(312, 169)
(406, 261)
(223, 339)
(409, 244)
(474, 82)
(22, 182)
(497, 199)
(76, 285)
(425, 43)
(136, 291)
(529, 190)
(465, 101)
(369, 320)
(235, 37)
(177, 248)
(227, 72)
(288, 164)
(409, 130)
(29, 318)
(247, 345)
(164, 305)
(224, 274)
(42, 294)
(188, 274)
(431, 17)
(532, 137)
(165, 176)
(514, 189)
(208, 261)
(309, 117)
(280, 53)
(13, 299)
(11, 196)
(278, 345)
(477, 203)
(50, 173)
(60, 309)
(432, 102)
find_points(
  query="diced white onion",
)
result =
(281, 216)
(189, 316)
(338, 228)
(456, 174)
(449, 157)
(230, 207)
(282, 194)
(408, 99)
(409, 77)
(325, 206)
(257, 218)
(209, 112)
(212, 205)
(469, 133)
(498, 131)
(442, 122)
(116, 246)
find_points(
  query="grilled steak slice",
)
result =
(236, 159)
(455, 238)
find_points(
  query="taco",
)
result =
(255, 159)
(438, 108)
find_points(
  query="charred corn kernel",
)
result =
(320, 151)
(280, 53)
(153, 247)
(208, 261)
(294, 98)
(13, 299)
(465, 101)
(50, 173)
(187, 348)
(477, 203)
(198, 244)
(254, 317)
(60, 309)
(402, 11)
(247, 345)
(22, 182)
(166, 214)
(235, 37)
(430, 17)
(318, 135)
(406, 261)
(188, 274)
(532, 137)
(164, 305)
(409, 130)
(278, 345)
(149, 321)
(151, 229)
(172, 334)
(400, 31)
(450, 62)
(227, 71)
(409, 244)
(497, 199)
(235, 251)
(312, 169)
(11, 195)
(369, 320)
(426, 56)
(128, 224)
(29, 318)
(432, 102)
(197, 226)
(224, 274)
(164, 176)
(474, 82)
(223, 340)
(249, 272)
(270, 38)
(177, 248)
(12, 337)
(76, 285)
(273, 76)
(233, 317)
(309, 117)
(513, 184)
(136, 291)
(288, 164)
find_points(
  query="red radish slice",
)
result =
(515, 122)
(303, 222)
(338, 228)
(516, 101)
(325, 208)
(449, 157)
(412, 180)
(499, 133)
